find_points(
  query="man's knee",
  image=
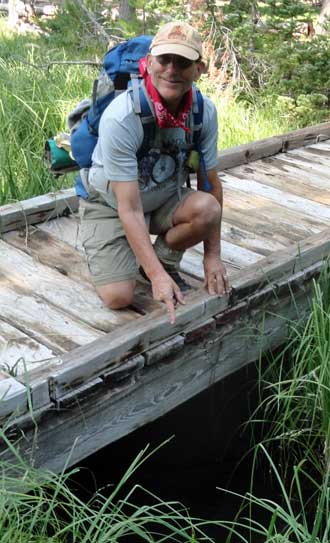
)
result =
(205, 210)
(117, 295)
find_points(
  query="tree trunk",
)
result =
(12, 13)
(324, 15)
(126, 11)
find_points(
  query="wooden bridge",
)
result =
(76, 376)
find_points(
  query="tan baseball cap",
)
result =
(177, 38)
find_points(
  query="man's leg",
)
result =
(193, 220)
(110, 260)
(181, 225)
(117, 295)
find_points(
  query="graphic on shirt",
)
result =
(161, 165)
(163, 168)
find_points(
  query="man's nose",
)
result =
(172, 65)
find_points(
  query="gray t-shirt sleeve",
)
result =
(120, 137)
(209, 135)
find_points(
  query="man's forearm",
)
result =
(212, 245)
(138, 237)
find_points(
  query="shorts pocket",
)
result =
(87, 233)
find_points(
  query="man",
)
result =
(134, 196)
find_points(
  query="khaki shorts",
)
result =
(109, 256)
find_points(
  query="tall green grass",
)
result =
(294, 516)
(37, 506)
(35, 98)
(244, 122)
(34, 103)
(294, 412)
(295, 408)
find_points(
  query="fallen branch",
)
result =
(97, 25)
(74, 62)
(52, 63)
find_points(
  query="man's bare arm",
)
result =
(216, 280)
(131, 215)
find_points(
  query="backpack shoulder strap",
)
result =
(143, 107)
(198, 112)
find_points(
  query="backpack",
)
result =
(120, 71)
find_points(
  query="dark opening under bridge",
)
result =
(85, 375)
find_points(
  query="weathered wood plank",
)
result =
(308, 155)
(61, 256)
(262, 215)
(41, 321)
(163, 386)
(250, 152)
(285, 199)
(38, 209)
(87, 362)
(18, 351)
(237, 256)
(258, 242)
(65, 229)
(13, 396)
(300, 186)
(48, 250)
(283, 165)
(295, 165)
(76, 299)
(277, 266)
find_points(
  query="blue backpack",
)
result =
(121, 71)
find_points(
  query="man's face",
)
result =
(173, 76)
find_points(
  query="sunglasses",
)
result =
(181, 63)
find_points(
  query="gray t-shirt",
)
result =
(163, 170)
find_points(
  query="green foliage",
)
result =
(291, 518)
(34, 102)
(296, 405)
(39, 507)
(283, 80)
(275, 52)
(301, 68)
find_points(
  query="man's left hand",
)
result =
(216, 280)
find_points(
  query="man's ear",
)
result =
(149, 62)
(200, 69)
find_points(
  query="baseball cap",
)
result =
(177, 38)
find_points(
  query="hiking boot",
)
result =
(183, 286)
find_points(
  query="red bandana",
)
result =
(165, 119)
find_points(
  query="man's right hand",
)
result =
(165, 290)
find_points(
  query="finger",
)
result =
(226, 283)
(212, 285)
(178, 295)
(221, 281)
(170, 310)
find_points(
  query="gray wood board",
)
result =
(38, 209)
(19, 352)
(278, 266)
(83, 364)
(257, 241)
(89, 361)
(41, 321)
(299, 186)
(280, 197)
(47, 249)
(13, 396)
(289, 168)
(263, 215)
(80, 301)
(250, 152)
(79, 431)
